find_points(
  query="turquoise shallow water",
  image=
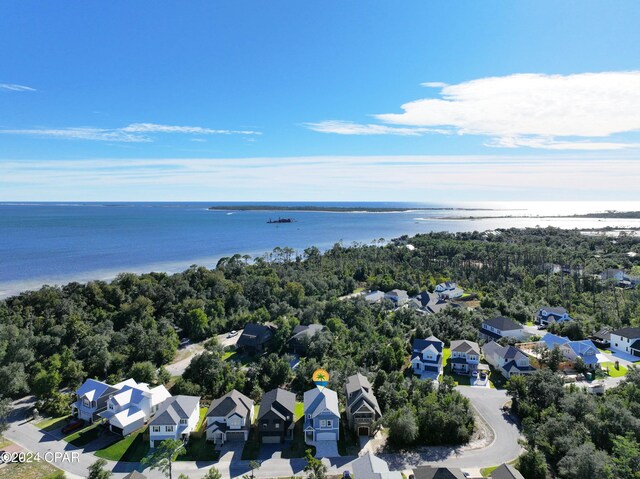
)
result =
(56, 243)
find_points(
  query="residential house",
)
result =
(362, 406)
(302, 336)
(135, 475)
(585, 350)
(602, 338)
(548, 315)
(501, 327)
(321, 415)
(449, 290)
(132, 406)
(92, 397)
(369, 466)
(255, 337)
(397, 296)
(506, 471)
(276, 416)
(374, 297)
(433, 472)
(509, 360)
(465, 356)
(426, 358)
(229, 418)
(626, 340)
(427, 302)
(176, 419)
(613, 273)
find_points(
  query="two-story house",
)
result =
(427, 302)
(509, 360)
(397, 296)
(465, 356)
(435, 472)
(374, 297)
(449, 290)
(585, 350)
(369, 466)
(501, 327)
(548, 315)
(176, 418)
(132, 406)
(426, 358)
(626, 340)
(321, 415)
(276, 416)
(255, 337)
(229, 418)
(92, 397)
(362, 406)
(302, 336)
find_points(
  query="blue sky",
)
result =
(290, 100)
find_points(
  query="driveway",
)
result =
(326, 449)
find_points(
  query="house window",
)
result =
(169, 428)
(87, 403)
(329, 423)
(323, 423)
(277, 425)
(155, 428)
(111, 406)
(264, 425)
(308, 416)
(183, 421)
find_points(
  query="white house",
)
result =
(547, 315)
(132, 406)
(449, 290)
(626, 340)
(321, 415)
(177, 418)
(374, 297)
(398, 296)
(92, 397)
(509, 360)
(426, 358)
(501, 327)
(465, 356)
(229, 418)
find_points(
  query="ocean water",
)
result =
(54, 243)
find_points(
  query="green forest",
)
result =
(53, 338)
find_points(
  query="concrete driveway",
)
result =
(326, 449)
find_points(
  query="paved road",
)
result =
(487, 402)
(189, 352)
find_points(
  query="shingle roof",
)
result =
(232, 402)
(174, 409)
(280, 401)
(556, 310)
(254, 335)
(551, 340)
(506, 471)
(93, 389)
(361, 386)
(356, 382)
(135, 475)
(301, 331)
(316, 401)
(428, 472)
(635, 344)
(627, 332)
(464, 346)
(369, 466)
(604, 334)
(503, 324)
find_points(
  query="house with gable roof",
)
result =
(229, 418)
(509, 360)
(321, 415)
(276, 416)
(449, 290)
(501, 327)
(369, 466)
(435, 472)
(132, 406)
(92, 397)
(426, 357)
(506, 471)
(362, 406)
(465, 356)
(626, 340)
(548, 315)
(176, 419)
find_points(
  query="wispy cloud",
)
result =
(15, 87)
(351, 128)
(133, 133)
(415, 178)
(558, 112)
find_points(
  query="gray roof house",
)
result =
(506, 471)
(276, 416)
(374, 297)
(229, 418)
(362, 406)
(398, 296)
(177, 418)
(552, 314)
(501, 327)
(427, 302)
(321, 415)
(426, 357)
(509, 360)
(431, 472)
(465, 356)
(301, 336)
(369, 466)
(135, 475)
(255, 337)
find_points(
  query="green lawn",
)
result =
(4, 442)
(199, 449)
(29, 470)
(458, 378)
(256, 410)
(488, 470)
(298, 411)
(613, 372)
(228, 355)
(129, 449)
(52, 423)
(497, 380)
(84, 436)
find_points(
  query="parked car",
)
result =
(72, 426)
(184, 342)
(232, 334)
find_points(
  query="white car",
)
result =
(232, 334)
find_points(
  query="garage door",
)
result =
(363, 431)
(117, 430)
(325, 436)
(235, 436)
(270, 439)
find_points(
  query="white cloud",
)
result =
(133, 133)
(434, 84)
(15, 87)
(531, 110)
(351, 128)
